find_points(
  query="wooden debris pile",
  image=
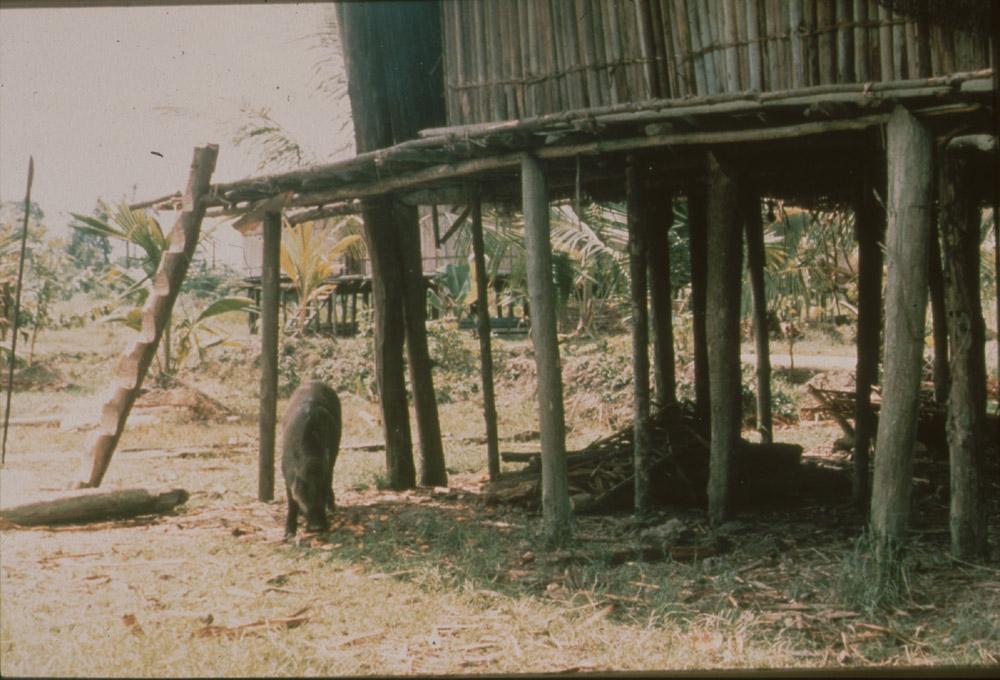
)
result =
(601, 475)
(931, 419)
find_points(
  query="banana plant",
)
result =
(309, 257)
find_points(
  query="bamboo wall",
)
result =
(508, 59)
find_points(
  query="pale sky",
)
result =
(84, 92)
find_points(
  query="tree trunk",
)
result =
(414, 295)
(698, 234)
(722, 325)
(910, 156)
(134, 365)
(556, 509)
(638, 227)
(659, 221)
(869, 227)
(485, 343)
(94, 506)
(270, 292)
(960, 221)
(754, 229)
(935, 280)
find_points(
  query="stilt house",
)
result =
(873, 106)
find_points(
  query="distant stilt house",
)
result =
(350, 277)
(886, 108)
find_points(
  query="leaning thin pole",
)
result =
(17, 306)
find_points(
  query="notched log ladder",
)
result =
(135, 362)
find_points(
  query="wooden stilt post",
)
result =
(638, 227)
(960, 219)
(869, 230)
(556, 508)
(270, 292)
(485, 343)
(935, 280)
(722, 325)
(132, 367)
(390, 335)
(698, 232)
(909, 155)
(659, 221)
(754, 229)
(414, 298)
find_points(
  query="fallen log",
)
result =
(91, 505)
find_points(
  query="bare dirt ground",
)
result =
(438, 581)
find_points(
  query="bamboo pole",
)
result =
(617, 53)
(684, 77)
(754, 48)
(731, 38)
(923, 40)
(695, 47)
(707, 47)
(742, 47)
(898, 46)
(811, 49)
(17, 305)
(518, 35)
(909, 152)
(638, 258)
(610, 57)
(483, 329)
(556, 509)
(862, 43)
(825, 18)
(773, 45)
(494, 55)
(668, 68)
(797, 28)
(845, 42)
(697, 204)
(912, 59)
(597, 84)
(646, 50)
(571, 45)
(887, 69)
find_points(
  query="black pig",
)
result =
(310, 432)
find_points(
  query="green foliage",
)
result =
(309, 256)
(449, 296)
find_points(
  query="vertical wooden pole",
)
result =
(414, 302)
(638, 227)
(485, 343)
(390, 335)
(909, 157)
(960, 220)
(661, 300)
(270, 280)
(698, 232)
(722, 325)
(556, 509)
(754, 229)
(939, 326)
(869, 229)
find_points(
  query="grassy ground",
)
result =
(435, 580)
